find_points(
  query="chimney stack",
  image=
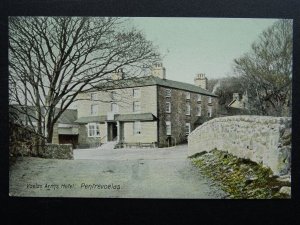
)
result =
(201, 81)
(159, 71)
(118, 74)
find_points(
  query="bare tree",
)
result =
(53, 59)
(266, 71)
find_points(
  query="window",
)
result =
(168, 107)
(136, 127)
(188, 109)
(93, 96)
(94, 109)
(114, 107)
(168, 127)
(199, 98)
(168, 92)
(136, 93)
(113, 95)
(199, 110)
(136, 106)
(188, 95)
(187, 128)
(209, 113)
(209, 100)
(93, 130)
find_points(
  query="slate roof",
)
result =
(67, 117)
(118, 117)
(90, 119)
(152, 80)
(134, 117)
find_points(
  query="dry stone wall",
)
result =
(261, 139)
(56, 151)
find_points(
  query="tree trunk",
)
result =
(49, 132)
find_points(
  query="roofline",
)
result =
(147, 85)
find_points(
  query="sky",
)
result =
(200, 45)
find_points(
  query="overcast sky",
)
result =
(200, 45)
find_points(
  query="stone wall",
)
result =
(177, 116)
(261, 139)
(56, 151)
(22, 141)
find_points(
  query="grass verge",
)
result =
(240, 178)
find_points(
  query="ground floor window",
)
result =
(93, 130)
(168, 127)
(136, 127)
(199, 110)
(187, 128)
(209, 113)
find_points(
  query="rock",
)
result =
(286, 178)
(285, 190)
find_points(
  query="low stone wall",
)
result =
(261, 139)
(56, 151)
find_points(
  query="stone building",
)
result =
(238, 106)
(150, 110)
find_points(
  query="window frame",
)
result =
(188, 109)
(96, 129)
(199, 110)
(134, 95)
(189, 128)
(209, 111)
(188, 95)
(168, 93)
(168, 131)
(134, 107)
(117, 107)
(94, 96)
(168, 107)
(96, 110)
(199, 98)
(113, 95)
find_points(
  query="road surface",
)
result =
(117, 173)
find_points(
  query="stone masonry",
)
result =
(56, 151)
(177, 116)
(261, 139)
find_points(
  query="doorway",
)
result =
(112, 131)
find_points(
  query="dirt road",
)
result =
(118, 173)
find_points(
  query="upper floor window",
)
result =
(209, 100)
(187, 128)
(136, 106)
(93, 130)
(188, 95)
(113, 95)
(209, 113)
(188, 109)
(136, 93)
(114, 107)
(168, 127)
(168, 107)
(137, 127)
(168, 92)
(199, 110)
(199, 98)
(93, 96)
(94, 109)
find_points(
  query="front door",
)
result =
(112, 131)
